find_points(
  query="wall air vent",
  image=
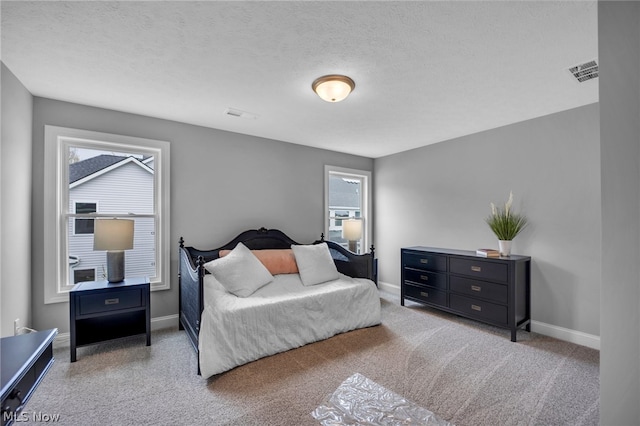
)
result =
(585, 72)
(234, 112)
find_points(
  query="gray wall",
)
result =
(221, 184)
(619, 57)
(15, 203)
(439, 196)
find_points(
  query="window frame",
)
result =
(56, 202)
(366, 202)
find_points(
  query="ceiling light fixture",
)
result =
(333, 88)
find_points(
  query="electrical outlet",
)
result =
(16, 326)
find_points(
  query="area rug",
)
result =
(361, 401)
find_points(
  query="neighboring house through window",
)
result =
(348, 197)
(94, 176)
(80, 275)
(84, 226)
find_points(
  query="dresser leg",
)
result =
(513, 334)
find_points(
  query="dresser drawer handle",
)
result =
(111, 301)
(424, 294)
(476, 269)
(424, 277)
(425, 261)
(476, 288)
(476, 308)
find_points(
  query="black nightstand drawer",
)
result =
(425, 261)
(425, 294)
(475, 288)
(479, 309)
(433, 279)
(480, 269)
(110, 301)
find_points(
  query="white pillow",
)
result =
(315, 263)
(239, 272)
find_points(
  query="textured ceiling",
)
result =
(425, 72)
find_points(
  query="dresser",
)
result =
(496, 291)
(25, 360)
(100, 310)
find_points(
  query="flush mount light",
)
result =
(333, 88)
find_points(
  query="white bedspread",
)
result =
(280, 316)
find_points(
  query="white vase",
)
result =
(504, 247)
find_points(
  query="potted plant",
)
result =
(506, 224)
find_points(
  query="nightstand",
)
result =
(100, 310)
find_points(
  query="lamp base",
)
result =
(353, 246)
(115, 266)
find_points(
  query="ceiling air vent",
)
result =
(234, 112)
(585, 72)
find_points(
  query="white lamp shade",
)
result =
(352, 229)
(333, 88)
(113, 234)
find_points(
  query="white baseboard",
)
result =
(64, 339)
(389, 288)
(159, 323)
(568, 335)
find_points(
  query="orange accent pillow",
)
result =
(277, 261)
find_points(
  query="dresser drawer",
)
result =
(493, 271)
(110, 301)
(474, 288)
(426, 261)
(479, 309)
(425, 294)
(13, 401)
(433, 279)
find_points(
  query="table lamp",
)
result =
(115, 236)
(352, 232)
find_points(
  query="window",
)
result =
(348, 197)
(91, 176)
(80, 275)
(84, 226)
(338, 216)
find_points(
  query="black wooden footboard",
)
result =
(352, 264)
(191, 292)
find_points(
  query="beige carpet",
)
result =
(464, 372)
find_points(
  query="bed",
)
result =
(329, 291)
